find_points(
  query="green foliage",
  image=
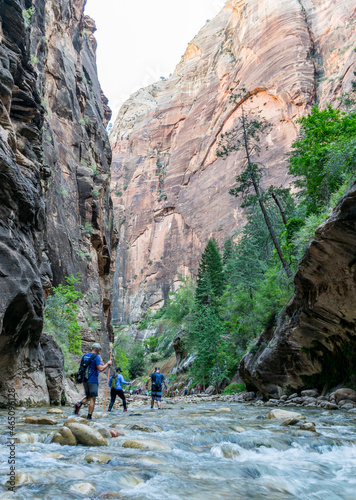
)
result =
(61, 317)
(61, 191)
(210, 280)
(96, 193)
(324, 155)
(118, 193)
(234, 388)
(151, 343)
(93, 168)
(137, 361)
(27, 15)
(179, 305)
(88, 228)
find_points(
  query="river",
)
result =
(207, 454)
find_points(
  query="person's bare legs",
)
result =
(152, 403)
(159, 404)
(91, 405)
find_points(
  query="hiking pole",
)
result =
(107, 383)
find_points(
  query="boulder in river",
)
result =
(77, 420)
(114, 433)
(21, 478)
(83, 488)
(87, 436)
(102, 458)
(40, 421)
(25, 437)
(140, 427)
(101, 429)
(344, 393)
(290, 421)
(284, 414)
(310, 393)
(64, 436)
(55, 410)
(146, 444)
(308, 426)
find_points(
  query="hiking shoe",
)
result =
(77, 407)
(125, 409)
(89, 417)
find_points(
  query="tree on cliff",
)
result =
(246, 137)
(210, 280)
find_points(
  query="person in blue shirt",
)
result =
(156, 392)
(92, 384)
(116, 388)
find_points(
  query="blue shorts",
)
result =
(156, 396)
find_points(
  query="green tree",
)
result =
(323, 156)
(137, 361)
(245, 137)
(151, 343)
(61, 313)
(210, 280)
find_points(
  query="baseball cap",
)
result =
(96, 345)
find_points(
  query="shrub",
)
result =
(234, 388)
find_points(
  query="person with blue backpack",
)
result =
(157, 379)
(115, 383)
(88, 373)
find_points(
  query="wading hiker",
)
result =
(116, 382)
(90, 366)
(156, 390)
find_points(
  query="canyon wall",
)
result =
(170, 190)
(55, 207)
(314, 344)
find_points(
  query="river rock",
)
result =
(283, 414)
(140, 427)
(290, 421)
(310, 393)
(102, 458)
(40, 421)
(308, 426)
(86, 435)
(64, 436)
(114, 433)
(56, 456)
(237, 428)
(344, 402)
(101, 429)
(25, 437)
(21, 478)
(348, 406)
(223, 410)
(77, 420)
(146, 444)
(55, 410)
(344, 393)
(83, 488)
(147, 460)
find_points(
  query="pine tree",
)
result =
(228, 249)
(210, 280)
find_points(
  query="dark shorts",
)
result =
(156, 395)
(91, 390)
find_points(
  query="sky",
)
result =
(141, 40)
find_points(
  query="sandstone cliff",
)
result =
(170, 190)
(314, 345)
(55, 210)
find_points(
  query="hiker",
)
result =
(192, 392)
(156, 392)
(116, 382)
(186, 391)
(91, 385)
(198, 389)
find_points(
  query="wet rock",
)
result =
(24, 437)
(329, 406)
(101, 429)
(83, 488)
(54, 368)
(311, 393)
(64, 437)
(77, 420)
(283, 398)
(102, 458)
(140, 427)
(348, 406)
(294, 395)
(223, 410)
(110, 494)
(237, 428)
(283, 414)
(147, 460)
(344, 393)
(344, 402)
(146, 444)
(21, 478)
(114, 433)
(55, 410)
(87, 436)
(40, 421)
(229, 451)
(308, 426)
(56, 456)
(290, 421)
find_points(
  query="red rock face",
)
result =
(170, 189)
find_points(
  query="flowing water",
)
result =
(205, 455)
